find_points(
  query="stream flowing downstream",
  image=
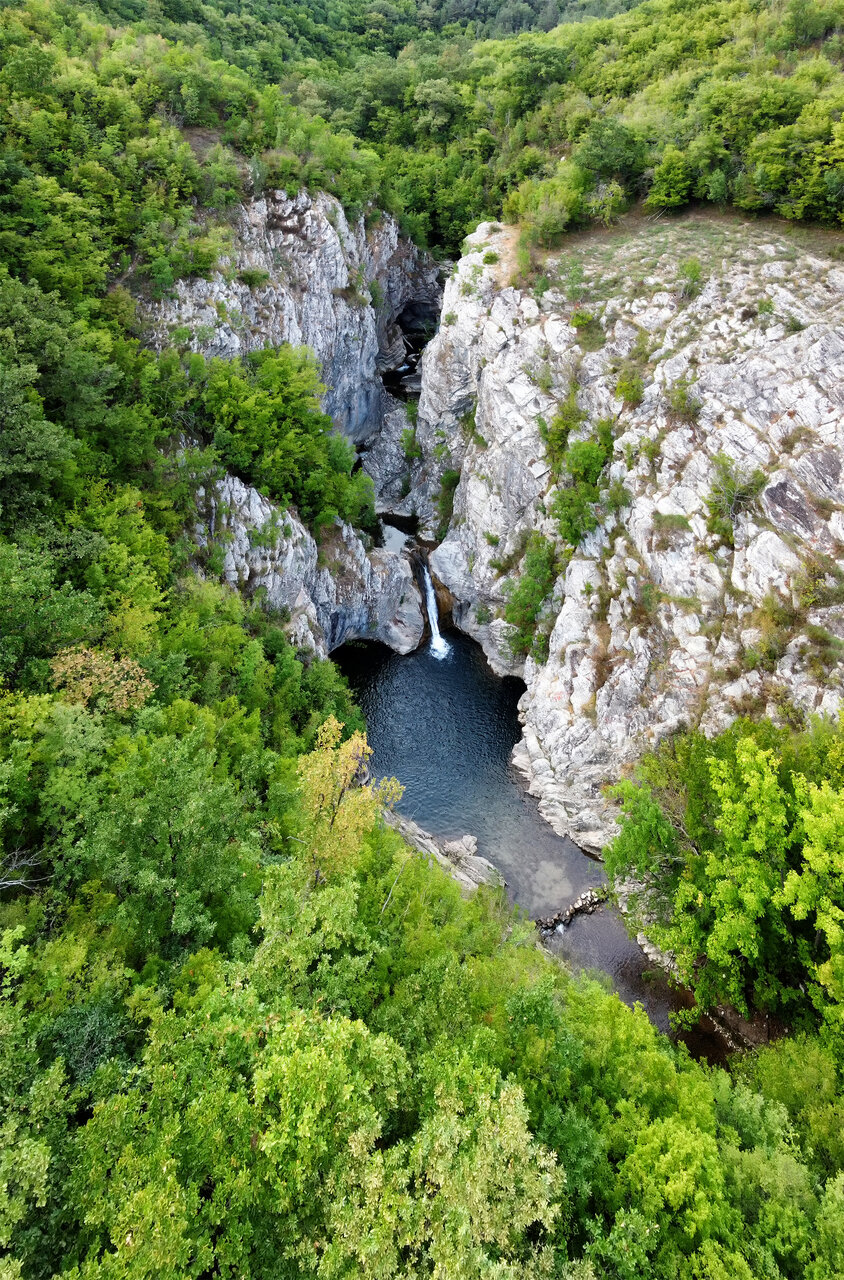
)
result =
(444, 724)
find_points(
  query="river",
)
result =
(445, 725)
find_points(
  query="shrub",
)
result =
(666, 524)
(631, 388)
(606, 203)
(253, 277)
(733, 491)
(526, 597)
(572, 509)
(584, 461)
(590, 335)
(567, 419)
(410, 445)
(672, 181)
(617, 497)
(545, 207)
(445, 500)
(690, 274)
(683, 401)
(490, 257)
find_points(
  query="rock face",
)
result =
(332, 594)
(300, 273)
(663, 617)
(459, 858)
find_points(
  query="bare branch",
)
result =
(14, 869)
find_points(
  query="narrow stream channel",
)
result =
(444, 724)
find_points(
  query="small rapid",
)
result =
(439, 647)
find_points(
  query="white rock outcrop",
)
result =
(299, 272)
(458, 858)
(330, 594)
(660, 619)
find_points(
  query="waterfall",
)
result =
(439, 647)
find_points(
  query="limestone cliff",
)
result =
(730, 336)
(330, 594)
(299, 272)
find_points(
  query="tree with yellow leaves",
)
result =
(339, 804)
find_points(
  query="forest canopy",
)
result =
(246, 1030)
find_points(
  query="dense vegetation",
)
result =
(733, 102)
(739, 842)
(246, 1032)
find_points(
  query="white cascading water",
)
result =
(439, 647)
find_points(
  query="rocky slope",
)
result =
(330, 594)
(300, 273)
(662, 617)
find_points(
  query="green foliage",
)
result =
(630, 387)
(445, 500)
(526, 597)
(691, 274)
(683, 401)
(734, 838)
(265, 420)
(568, 418)
(546, 207)
(39, 614)
(246, 1031)
(672, 182)
(668, 523)
(573, 505)
(254, 278)
(732, 492)
(410, 445)
(590, 334)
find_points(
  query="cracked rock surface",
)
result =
(660, 619)
(331, 594)
(300, 273)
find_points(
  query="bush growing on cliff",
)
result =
(733, 491)
(265, 419)
(555, 436)
(445, 500)
(526, 597)
(573, 505)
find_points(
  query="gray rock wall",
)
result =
(316, 272)
(656, 622)
(332, 594)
